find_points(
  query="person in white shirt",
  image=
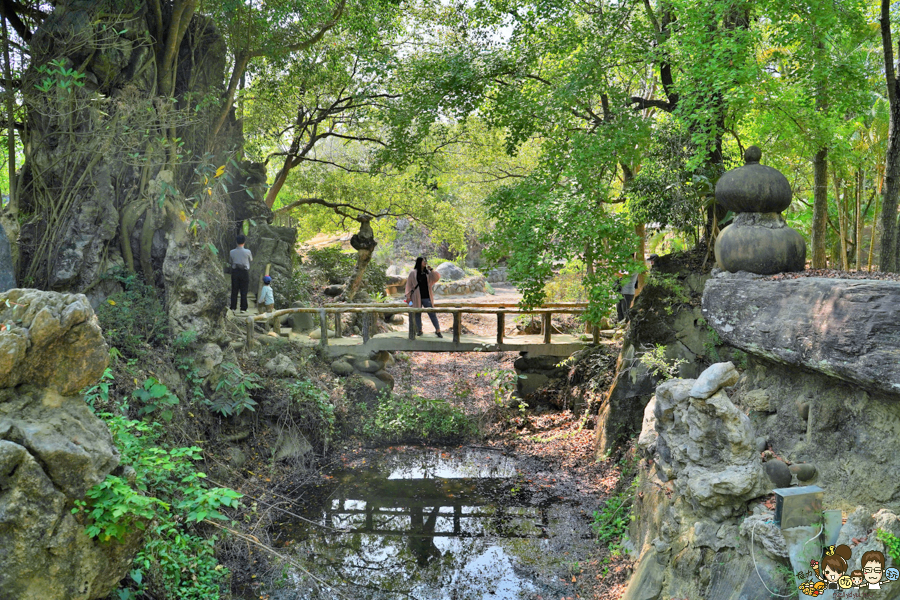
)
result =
(266, 301)
(240, 273)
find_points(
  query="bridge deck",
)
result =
(562, 345)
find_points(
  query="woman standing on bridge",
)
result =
(419, 292)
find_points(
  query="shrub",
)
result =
(337, 267)
(232, 393)
(133, 317)
(297, 289)
(408, 418)
(167, 499)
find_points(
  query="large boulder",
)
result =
(50, 339)
(706, 444)
(196, 290)
(273, 246)
(849, 329)
(450, 271)
(52, 450)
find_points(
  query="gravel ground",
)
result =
(836, 274)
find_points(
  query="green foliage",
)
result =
(314, 403)
(667, 190)
(133, 317)
(567, 285)
(232, 393)
(184, 343)
(656, 362)
(155, 397)
(98, 395)
(166, 499)
(672, 290)
(402, 418)
(891, 543)
(503, 384)
(56, 74)
(297, 289)
(337, 266)
(611, 521)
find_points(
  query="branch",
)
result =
(10, 11)
(305, 45)
(643, 103)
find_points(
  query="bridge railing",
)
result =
(456, 309)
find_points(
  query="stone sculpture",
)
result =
(759, 240)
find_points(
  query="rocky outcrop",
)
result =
(450, 272)
(196, 291)
(52, 450)
(49, 339)
(848, 329)
(271, 246)
(693, 494)
(465, 286)
(666, 313)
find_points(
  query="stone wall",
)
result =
(822, 383)
(52, 450)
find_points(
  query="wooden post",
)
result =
(595, 332)
(547, 326)
(365, 327)
(501, 327)
(323, 326)
(249, 333)
(337, 325)
(457, 326)
(412, 327)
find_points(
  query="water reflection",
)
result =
(427, 526)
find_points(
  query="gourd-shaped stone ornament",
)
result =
(758, 240)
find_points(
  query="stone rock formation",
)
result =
(849, 329)
(450, 271)
(50, 339)
(703, 469)
(759, 240)
(657, 319)
(52, 450)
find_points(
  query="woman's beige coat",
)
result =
(415, 296)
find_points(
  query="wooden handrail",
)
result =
(407, 309)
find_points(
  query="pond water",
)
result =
(430, 524)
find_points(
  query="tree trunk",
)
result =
(10, 118)
(820, 208)
(891, 189)
(842, 220)
(279, 182)
(860, 187)
(364, 243)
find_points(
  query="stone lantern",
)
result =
(758, 240)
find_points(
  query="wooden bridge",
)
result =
(546, 343)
